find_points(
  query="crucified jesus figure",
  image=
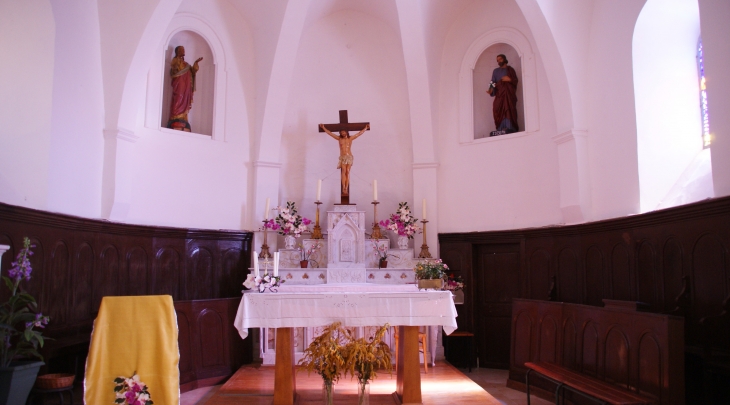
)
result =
(346, 158)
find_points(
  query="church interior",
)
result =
(595, 237)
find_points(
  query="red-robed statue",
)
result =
(183, 86)
(504, 90)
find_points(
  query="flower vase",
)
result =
(289, 241)
(402, 242)
(304, 263)
(328, 392)
(363, 393)
(382, 264)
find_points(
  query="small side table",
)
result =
(37, 392)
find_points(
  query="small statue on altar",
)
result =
(346, 158)
(183, 87)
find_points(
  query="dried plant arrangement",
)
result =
(363, 358)
(324, 356)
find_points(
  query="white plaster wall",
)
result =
(77, 144)
(612, 154)
(504, 182)
(27, 37)
(348, 61)
(666, 83)
(189, 180)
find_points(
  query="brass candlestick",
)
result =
(265, 247)
(317, 233)
(376, 228)
(425, 254)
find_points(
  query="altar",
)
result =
(406, 308)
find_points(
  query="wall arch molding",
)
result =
(521, 44)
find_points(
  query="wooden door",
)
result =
(497, 280)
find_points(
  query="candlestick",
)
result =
(265, 247)
(255, 264)
(424, 208)
(276, 264)
(266, 210)
(375, 190)
(319, 189)
(376, 228)
(317, 232)
(425, 254)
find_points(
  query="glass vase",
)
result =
(328, 392)
(289, 241)
(402, 242)
(363, 393)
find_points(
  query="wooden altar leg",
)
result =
(284, 373)
(408, 380)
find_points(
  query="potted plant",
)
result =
(19, 337)
(363, 358)
(324, 356)
(430, 274)
(456, 286)
(290, 224)
(403, 223)
(306, 254)
(381, 251)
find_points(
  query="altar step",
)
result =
(444, 384)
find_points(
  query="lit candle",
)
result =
(266, 210)
(255, 264)
(319, 189)
(375, 190)
(424, 208)
(276, 264)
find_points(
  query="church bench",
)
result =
(600, 391)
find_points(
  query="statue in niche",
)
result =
(183, 87)
(503, 88)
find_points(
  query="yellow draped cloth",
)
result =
(134, 334)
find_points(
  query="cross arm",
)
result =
(351, 126)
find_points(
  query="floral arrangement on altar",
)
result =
(261, 283)
(454, 283)
(430, 270)
(381, 251)
(325, 357)
(131, 391)
(288, 222)
(403, 222)
(18, 318)
(306, 254)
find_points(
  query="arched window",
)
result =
(706, 138)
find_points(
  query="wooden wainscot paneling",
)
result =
(639, 351)
(78, 261)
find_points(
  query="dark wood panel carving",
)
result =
(672, 273)
(569, 344)
(569, 279)
(548, 339)
(539, 274)
(621, 273)
(137, 271)
(707, 252)
(56, 289)
(639, 351)
(78, 261)
(210, 343)
(596, 288)
(648, 282)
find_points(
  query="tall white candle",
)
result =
(276, 264)
(255, 264)
(319, 189)
(424, 208)
(375, 190)
(266, 210)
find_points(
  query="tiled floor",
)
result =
(493, 381)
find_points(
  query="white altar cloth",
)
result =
(305, 309)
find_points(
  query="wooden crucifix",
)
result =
(345, 141)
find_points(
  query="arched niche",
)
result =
(207, 115)
(514, 39)
(482, 74)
